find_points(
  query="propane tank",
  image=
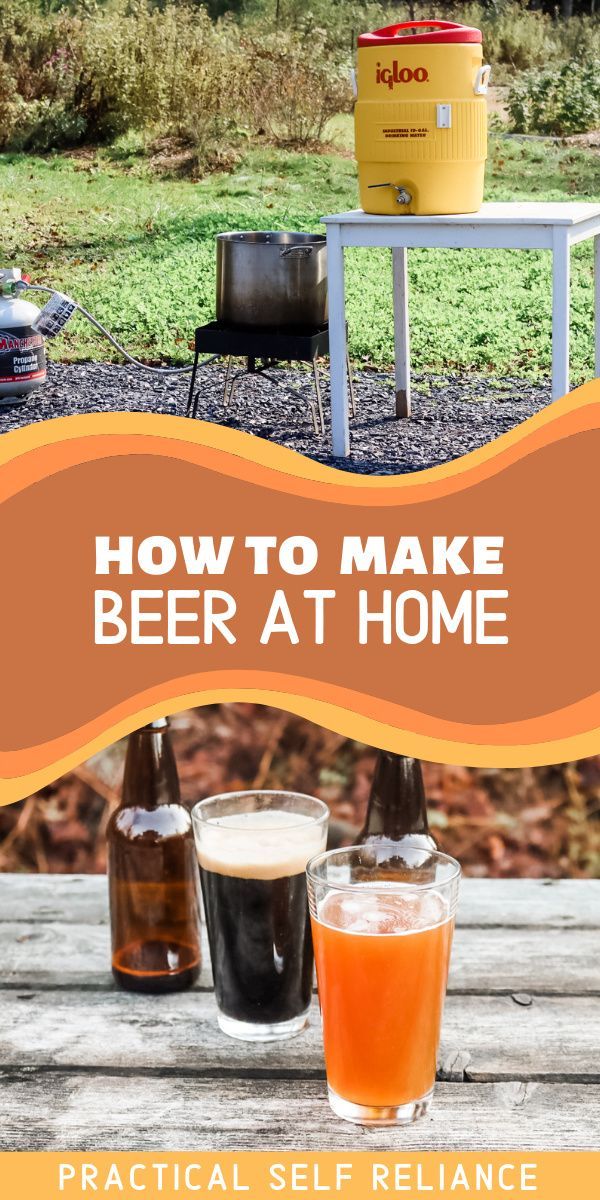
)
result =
(22, 354)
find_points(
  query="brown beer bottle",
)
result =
(397, 807)
(153, 872)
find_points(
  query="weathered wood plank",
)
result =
(73, 899)
(485, 1038)
(77, 1062)
(51, 954)
(492, 960)
(530, 903)
(518, 903)
(82, 1112)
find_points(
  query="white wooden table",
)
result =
(512, 226)
(84, 1066)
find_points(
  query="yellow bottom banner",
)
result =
(259, 1175)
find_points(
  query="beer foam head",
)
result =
(260, 845)
(378, 909)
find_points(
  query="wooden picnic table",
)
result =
(84, 1066)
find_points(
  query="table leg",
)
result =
(340, 426)
(561, 254)
(319, 407)
(190, 407)
(401, 331)
(597, 302)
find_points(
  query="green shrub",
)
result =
(513, 35)
(294, 84)
(579, 38)
(202, 76)
(557, 101)
(46, 124)
(10, 105)
(98, 72)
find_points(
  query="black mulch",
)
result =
(451, 414)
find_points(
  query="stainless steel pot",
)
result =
(277, 279)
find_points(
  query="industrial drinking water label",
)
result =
(55, 314)
(22, 356)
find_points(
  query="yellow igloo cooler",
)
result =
(421, 118)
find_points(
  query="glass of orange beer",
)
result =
(382, 923)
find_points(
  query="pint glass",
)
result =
(253, 848)
(382, 931)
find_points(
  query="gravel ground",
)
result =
(452, 414)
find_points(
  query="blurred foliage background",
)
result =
(215, 74)
(531, 822)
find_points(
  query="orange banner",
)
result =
(261, 1175)
(450, 614)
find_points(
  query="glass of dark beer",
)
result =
(253, 848)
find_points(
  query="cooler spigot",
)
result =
(402, 195)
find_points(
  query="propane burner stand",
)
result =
(264, 350)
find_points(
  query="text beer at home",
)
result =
(193, 616)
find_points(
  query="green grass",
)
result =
(139, 253)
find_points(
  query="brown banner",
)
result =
(483, 578)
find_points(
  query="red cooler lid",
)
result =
(437, 32)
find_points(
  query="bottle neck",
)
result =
(150, 777)
(397, 804)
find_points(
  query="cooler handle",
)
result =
(482, 79)
(394, 30)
